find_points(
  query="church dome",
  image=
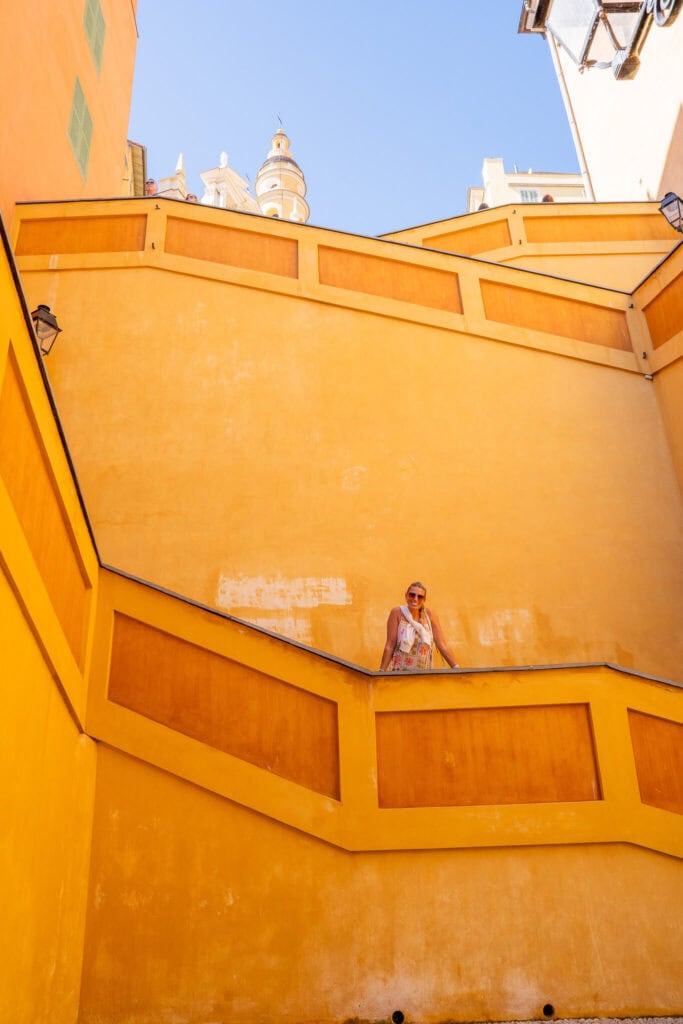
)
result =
(280, 186)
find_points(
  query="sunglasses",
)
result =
(413, 593)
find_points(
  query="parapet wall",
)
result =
(379, 762)
(320, 418)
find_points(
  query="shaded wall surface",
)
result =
(320, 419)
(661, 299)
(48, 574)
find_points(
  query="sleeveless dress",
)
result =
(413, 650)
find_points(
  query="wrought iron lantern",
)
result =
(46, 328)
(607, 33)
(672, 208)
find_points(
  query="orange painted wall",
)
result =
(295, 452)
(44, 54)
(201, 910)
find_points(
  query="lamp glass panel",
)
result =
(602, 48)
(673, 211)
(623, 25)
(43, 330)
(571, 21)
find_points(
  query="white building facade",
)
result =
(620, 70)
(500, 187)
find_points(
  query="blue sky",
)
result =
(391, 105)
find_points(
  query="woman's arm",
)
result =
(440, 642)
(392, 636)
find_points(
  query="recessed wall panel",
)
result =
(613, 228)
(555, 314)
(34, 495)
(478, 756)
(658, 751)
(470, 241)
(236, 248)
(390, 279)
(81, 234)
(664, 314)
(227, 705)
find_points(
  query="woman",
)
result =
(412, 631)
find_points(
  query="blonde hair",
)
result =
(422, 614)
(417, 583)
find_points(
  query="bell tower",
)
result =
(280, 185)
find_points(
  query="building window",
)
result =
(80, 129)
(529, 195)
(93, 23)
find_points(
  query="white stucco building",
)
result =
(620, 70)
(500, 187)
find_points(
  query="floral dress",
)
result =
(413, 650)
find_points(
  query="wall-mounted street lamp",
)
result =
(672, 208)
(46, 327)
(600, 33)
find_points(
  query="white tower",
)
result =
(280, 185)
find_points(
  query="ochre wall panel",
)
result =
(470, 241)
(81, 235)
(247, 249)
(227, 705)
(573, 228)
(485, 756)
(391, 279)
(554, 314)
(658, 752)
(35, 498)
(664, 314)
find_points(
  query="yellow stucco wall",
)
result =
(200, 910)
(192, 859)
(290, 424)
(222, 886)
(294, 451)
(48, 576)
(47, 766)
